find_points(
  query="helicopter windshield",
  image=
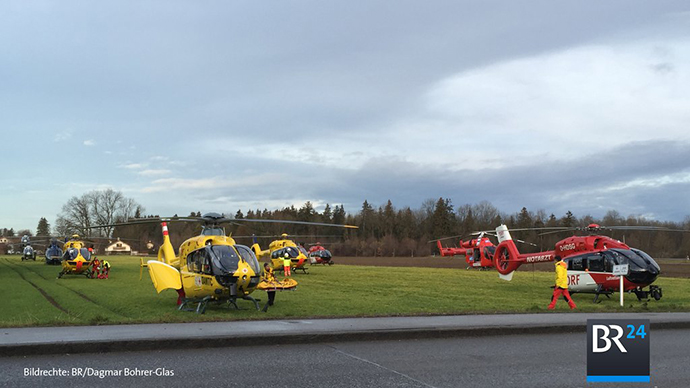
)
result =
(324, 253)
(73, 253)
(249, 257)
(646, 258)
(224, 257)
(638, 259)
(292, 251)
(85, 254)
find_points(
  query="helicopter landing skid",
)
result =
(233, 301)
(654, 291)
(201, 304)
(599, 292)
(303, 269)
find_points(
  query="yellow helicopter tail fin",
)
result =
(166, 253)
(258, 252)
(164, 276)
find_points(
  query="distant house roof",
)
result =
(118, 247)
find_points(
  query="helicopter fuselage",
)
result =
(478, 252)
(276, 252)
(76, 258)
(590, 262)
(216, 267)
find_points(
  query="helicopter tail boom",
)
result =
(450, 251)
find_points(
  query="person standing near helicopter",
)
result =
(561, 287)
(269, 278)
(286, 264)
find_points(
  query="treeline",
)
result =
(382, 230)
(389, 231)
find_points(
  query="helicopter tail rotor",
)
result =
(506, 258)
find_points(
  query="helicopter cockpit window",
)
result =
(326, 254)
(576, 264)
(249, 257)
(194, 260)
(647, 258)
(634, 260)
(213, 231)
(292, 251)
(280, 253)
(612, 258)
(224, 258)
(596, 263)
(73, 253)
(85, 254)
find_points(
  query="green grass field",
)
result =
(34, 297)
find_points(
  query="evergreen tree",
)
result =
(568, 220)
(388, 216)
(366, 220)
(43, 228)
(524, 219)
(339, 214)
(443, 218)
(327, 214)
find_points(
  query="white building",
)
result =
(118, 248)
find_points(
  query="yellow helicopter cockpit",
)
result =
(223, 262)
(74, 253)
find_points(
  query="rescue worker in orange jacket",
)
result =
(561, 287)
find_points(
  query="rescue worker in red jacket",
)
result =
(561, 287)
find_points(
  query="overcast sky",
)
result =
(224, 105)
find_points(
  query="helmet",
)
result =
(286, 255)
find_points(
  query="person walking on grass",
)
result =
(561, 287)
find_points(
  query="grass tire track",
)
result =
(39, 289)
(78, 294)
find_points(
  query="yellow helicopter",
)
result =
(278, 249)
(211, 267)
(76, 258)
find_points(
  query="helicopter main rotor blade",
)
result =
(515, 239)
(213, 220)
(293, 222)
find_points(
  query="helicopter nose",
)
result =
(645, 277)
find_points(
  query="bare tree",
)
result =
(104, 207)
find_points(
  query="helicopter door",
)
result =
(191, 273)
(164, 276)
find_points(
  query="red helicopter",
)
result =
(590, 262)
(478, 252)
(320, 255)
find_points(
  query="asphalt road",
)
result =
(547, 360)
